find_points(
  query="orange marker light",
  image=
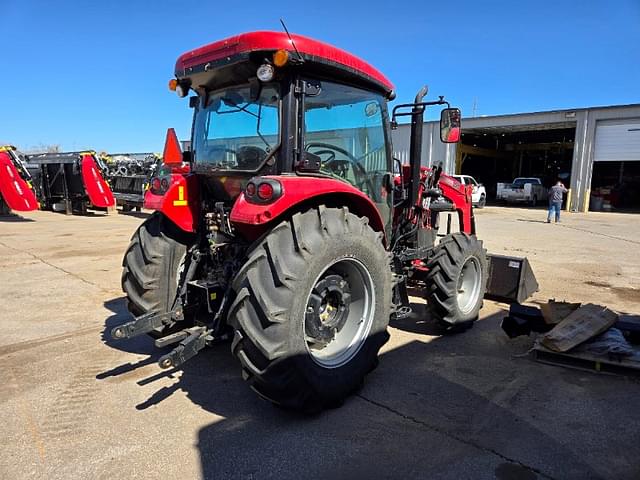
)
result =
(173, 83)
(280, 58)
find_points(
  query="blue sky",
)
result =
(94, 74)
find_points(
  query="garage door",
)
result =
(617, 141)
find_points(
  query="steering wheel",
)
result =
(331, 153)
(216, 154)
(353, 161)
(219, 148)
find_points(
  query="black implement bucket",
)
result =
(511, 279)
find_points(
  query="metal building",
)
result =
(594, 151)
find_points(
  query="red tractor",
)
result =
(295, 233)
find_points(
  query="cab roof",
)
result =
(313, 52)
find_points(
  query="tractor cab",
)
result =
(270, 104)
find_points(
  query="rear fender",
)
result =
(15, 191)
(181, 203)
(297, 192)
(95, 185)
(152, 201)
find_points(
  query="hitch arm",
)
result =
(188, 348)
(146, 323)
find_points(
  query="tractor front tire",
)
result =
(311, 309)
(457, 281)
(152, 265)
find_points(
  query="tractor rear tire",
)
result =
(298, 345)
(457, 281)
(152, 265)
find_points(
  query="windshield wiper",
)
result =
(238, 108)
(244, 109)
(258, 128)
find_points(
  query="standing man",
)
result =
(556, 194)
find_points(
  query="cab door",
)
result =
(346, 128)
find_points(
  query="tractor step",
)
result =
(146, 323)
(196, 340)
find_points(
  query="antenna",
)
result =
(291, 40)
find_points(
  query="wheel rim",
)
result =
(339, 313)
(469, 284)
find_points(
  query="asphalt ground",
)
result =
(77, 405)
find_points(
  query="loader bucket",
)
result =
(97, 188)
(15, 191)
(511, 279)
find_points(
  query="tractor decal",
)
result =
(181, 201)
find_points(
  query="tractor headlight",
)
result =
(181, 90)
(181, 87)
(265, 72)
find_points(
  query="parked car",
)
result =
(522, 189)
(478, 194)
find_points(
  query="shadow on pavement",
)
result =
(134, 214)
(416, 416)
(418, 322)
(530, 221)
(12, 217)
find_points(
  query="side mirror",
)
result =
(450, 125)
(172, 154)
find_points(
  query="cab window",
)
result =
(344, 127)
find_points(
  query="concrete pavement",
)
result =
(77, 405)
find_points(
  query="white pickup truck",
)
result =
(478, 193)
(522, 189)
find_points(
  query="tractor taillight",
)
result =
(265, 191)
(160, 185)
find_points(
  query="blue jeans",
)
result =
(554, 206)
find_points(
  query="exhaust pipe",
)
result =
(415, 145)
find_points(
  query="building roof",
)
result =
(534, 121)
